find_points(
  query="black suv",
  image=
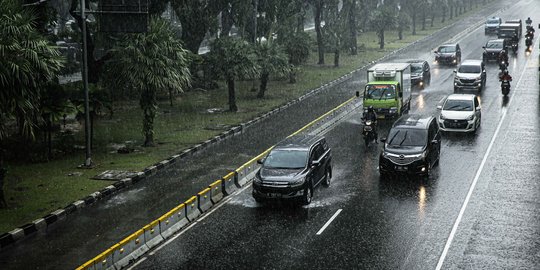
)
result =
(493, 48)
(413, 146)
(420, 72)
(448, 54)
(293, 168)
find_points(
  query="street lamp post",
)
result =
(84, 71)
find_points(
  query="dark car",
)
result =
(293, 168)
(448, 54)
(420, 72)
(492, 25)
(493, 48)
(413, 146)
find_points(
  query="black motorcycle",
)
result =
(368, 131)
(505, 87)
(514, 48)
(528, 43)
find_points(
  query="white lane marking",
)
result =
(137, 263)
(478, 172)
(329, 221)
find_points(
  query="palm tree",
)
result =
(27, 62)
(151, 62)
(297, 46)
(272, 60)
(232, 59)
(383, 18)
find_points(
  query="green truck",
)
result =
(388, 89)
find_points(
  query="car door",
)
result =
(427, 72)
(458, 52)
(477, 109)
(315, 169)
(434, 141)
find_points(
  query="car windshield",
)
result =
(407, 137)
(286, 159)
(458, 105)
(380, 91)
(469, 69)
(493, 21)
(494, 44)
(416, 68)
(447, 49)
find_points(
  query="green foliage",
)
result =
(233, 58)
(297, 46)
(272, 60)
(382, 19)
(149, 63)
(27, 62)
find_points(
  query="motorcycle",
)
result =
(368, 131)
(505, 87)
(514, 48)
(528, 43)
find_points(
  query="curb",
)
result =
(43, 223)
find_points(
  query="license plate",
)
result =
(273, 195)
(401, 168)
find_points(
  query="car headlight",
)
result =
(392, 110)
(471, 117)
(298, 181)
(257, 178)
(441, 117)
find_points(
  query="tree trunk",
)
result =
(400, 33)
(226, 22)
(292, 74)
(432, 15)
(232, 95)
(423, 19)
(443, 15)
(414, 23)
(49, 138)
(149, 106)
(381, 39)
(170, 97)
(336, 57)
(92, 116)
(264, 82)
(320, 45)
(451, 12)
(3, 173)
(352, 29)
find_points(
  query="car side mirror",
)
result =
(314, 163)
(439, 107)
(483, 47)
(455, 71)
(435, 52)
(259, 161)
(400, 94)
(383, 139)
(357, 93)
(478, 109)
(434, 142)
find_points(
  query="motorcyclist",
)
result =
(503, 56)
(530, 32)
(528, 21)
(372, 115)
(505, 77)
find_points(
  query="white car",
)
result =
(460, 113)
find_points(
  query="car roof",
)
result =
(414, 121)
(299, 142)
(460, 97)
(496, 40)
(449, 45)
(411, 61)
(471, 62)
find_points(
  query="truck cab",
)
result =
(388, 89)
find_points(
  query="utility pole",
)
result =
(84, 71)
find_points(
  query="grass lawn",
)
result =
(34, 190)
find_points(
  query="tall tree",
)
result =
(232, 59)
(197, 17)
(298, 48)
(403, 22)
(151, 62)
(272, 60)
(318, 6)
(352, 25)
(27, 63)
(383, 18)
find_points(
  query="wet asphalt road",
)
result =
(382, 224)
(404, 223)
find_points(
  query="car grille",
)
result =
(467, 80)
(456, 123)
(401, 159)
(275, 184)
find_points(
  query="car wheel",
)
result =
(327, 178)
(308, 194)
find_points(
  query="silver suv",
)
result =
(471, 74)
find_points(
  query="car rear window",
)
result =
(469, 69)
(399, 137)
(458, 105)
(494, 44)
(447, 49)
(286, 159)
(493, 21)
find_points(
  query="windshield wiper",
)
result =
(404, 138)
(454, 107)
(390, 142)
(382, 94)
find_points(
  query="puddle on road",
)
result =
(123, 197)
